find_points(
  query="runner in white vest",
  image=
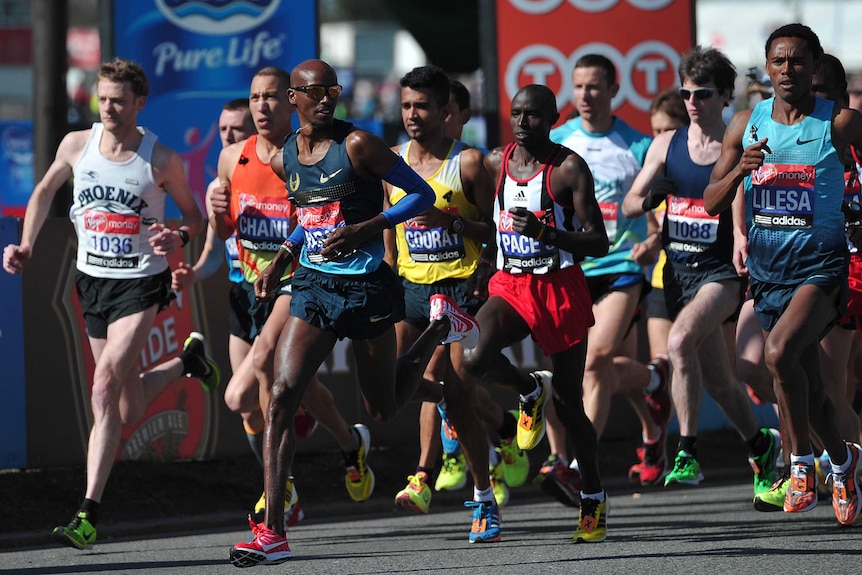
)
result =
(121, 177)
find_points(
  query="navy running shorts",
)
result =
(359, 306)
(417, 299)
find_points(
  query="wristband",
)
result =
(291, 247)
(541, 232)
(184, 236)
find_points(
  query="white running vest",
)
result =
(517, 253)
(113, 204)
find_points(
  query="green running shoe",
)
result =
(773, 499)
(516, 464)
(416, 496)
(453, 475)
(198, 362)
(498, 483)
(686, 470)
(763, 465)
(78, 533)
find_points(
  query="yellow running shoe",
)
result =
(531, 420)
(453, 474)
(358, 477)
(498, 483)
(416, 496)
(592, 525)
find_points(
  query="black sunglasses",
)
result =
(317, 91)
(699, 93)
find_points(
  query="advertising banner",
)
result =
(13, 427)
(539, 42)
(16, 166)
(198, 55)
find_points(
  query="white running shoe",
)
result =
(464, 328)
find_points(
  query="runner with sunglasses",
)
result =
(703, 291)
(343, 287)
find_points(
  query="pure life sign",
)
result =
(198, 54)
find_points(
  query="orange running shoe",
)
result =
(801, 493)
(845, 488)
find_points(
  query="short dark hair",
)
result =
(797, 30)
(236, 105)
(461, 93)
(429, 79)
(671, 103)
(280, 73)
(599, 61)
(121, 70)
(703, 64)
(550, 99)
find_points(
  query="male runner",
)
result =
(788, 152)
(122, 178)
(547, 220)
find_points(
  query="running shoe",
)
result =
(559, 481)
(845, 489)
(516, 465)
(531, 420)
(486, 521)
(304, 423)
(464, 328)
(498, 484)
(358, 477)
(635, 469)
(265, 548)
(293, 512)
(763, 465)
(592, 525)
(448, 435)
(654, 462)
(823, 469)
(659, 402)
(453, 474)
(686, 470)
(773, 500)
(416, 496)
(801, 493)
(78, 533)
(198, 362)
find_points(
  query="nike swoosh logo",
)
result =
(802, 142)
(88, 534)
(266, 547)
(324, 179)
(377, 318)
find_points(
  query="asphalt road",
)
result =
(702, 530)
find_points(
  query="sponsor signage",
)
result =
(199, 54)
(539, 42)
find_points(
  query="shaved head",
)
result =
(542, 95)
(313, 72)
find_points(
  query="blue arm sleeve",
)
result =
(419, 196)
(297, 236)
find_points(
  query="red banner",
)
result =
(539, 42)
(16, 46)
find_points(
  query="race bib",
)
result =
(781, 196)
(319, 222)
(113, 240)
(688, 223)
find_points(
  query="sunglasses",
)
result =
(699, 93)
(317, 91)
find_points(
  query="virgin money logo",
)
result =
(217, 17)
(764, 175)
(97, 222)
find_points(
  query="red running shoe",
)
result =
(265, 548)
